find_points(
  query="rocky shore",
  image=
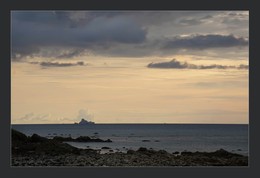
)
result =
(40, 151)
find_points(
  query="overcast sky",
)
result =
(62, 34)
(117, 66)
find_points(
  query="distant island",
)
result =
(84, 122)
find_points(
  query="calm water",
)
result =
(170, 137)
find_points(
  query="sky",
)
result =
(129, 66)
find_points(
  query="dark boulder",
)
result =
(142, 149)
(83, 139)
(18, 136)
(108, 140)
(36, 138)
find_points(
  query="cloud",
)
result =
(174, 64)
(48, 30)
(194, 20)
(204, 42)
(190, 21)
(171, 64)
(83, 114)
(33, 117)
(70, 54)
(27, 116)
(236, 18)
(242, 66)
(69, 34)
(228, 18)
(58, 64)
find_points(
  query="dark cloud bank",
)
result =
(68, 34)
(33, 31)
(174, 64)
(205, 42)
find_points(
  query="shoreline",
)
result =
(37, 151)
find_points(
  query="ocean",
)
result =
(169, 137)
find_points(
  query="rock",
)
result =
(62, 139)
(142, 149)
(83, 139)
(162, 152)
(186, 153)
(223, 153)
(55, 153)
(108, 140)
(18, 136)
(145, 140)
(105, 148)
(36, 138)
(176, 153)
(79, 139)
(85, 122)
(130, 152)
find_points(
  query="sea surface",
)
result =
(169, 137)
